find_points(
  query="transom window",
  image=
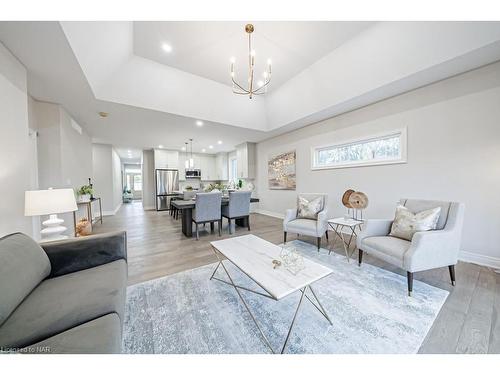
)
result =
(387, 148)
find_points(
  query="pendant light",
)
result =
(191, 160)
(186, 161)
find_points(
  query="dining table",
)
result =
(187, 207)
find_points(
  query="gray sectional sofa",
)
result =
(64, 296)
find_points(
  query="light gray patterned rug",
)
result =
(369, 307)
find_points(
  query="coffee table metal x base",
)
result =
(303, 291)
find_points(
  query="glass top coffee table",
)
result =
(254, 257)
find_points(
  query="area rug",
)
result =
(369, 307)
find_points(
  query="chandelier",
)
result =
(251, 88)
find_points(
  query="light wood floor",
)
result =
(467, 323)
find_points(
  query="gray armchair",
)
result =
(238, 208)
(308, 227)
(207, 210)
(426, 250)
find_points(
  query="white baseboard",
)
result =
(111, 213)
(269, 213)
(148, 208)
(482, 260)
(465, 256)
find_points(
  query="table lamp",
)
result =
(50, 202)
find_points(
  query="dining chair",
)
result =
(238, 208)
(207, 210)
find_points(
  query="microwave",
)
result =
(193, 173)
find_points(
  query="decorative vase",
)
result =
(84, 198)
(83, 228)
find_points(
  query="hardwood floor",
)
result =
(467, 323)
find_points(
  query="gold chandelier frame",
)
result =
(251, 90)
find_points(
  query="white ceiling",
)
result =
(54, 75)
(129, 155)
(322, 69)
(205, 48)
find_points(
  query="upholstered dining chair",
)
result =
(238, 208)
(309, 227)
(207, 210)
(426, 250)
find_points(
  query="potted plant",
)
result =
(84, 193)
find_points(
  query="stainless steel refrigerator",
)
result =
(167, 184)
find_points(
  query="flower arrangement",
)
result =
(85, 190)
(217, 186)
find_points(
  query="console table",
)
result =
(91, 219)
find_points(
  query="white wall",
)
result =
(117, 179)
(64, 151)
(76, 153)
(453, 154)
(15, 151)
(107, 177)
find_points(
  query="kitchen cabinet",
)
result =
(166, 159)
(245, 156)
(221, 166)
(182, 166)
(207, 165)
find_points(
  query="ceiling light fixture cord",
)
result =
(262, 88)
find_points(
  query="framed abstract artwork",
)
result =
(281, 171)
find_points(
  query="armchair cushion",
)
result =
(418, 205)
(306, 227)
(390, 249)
(407, 223)
(309, 209)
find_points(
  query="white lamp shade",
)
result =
(48, 202)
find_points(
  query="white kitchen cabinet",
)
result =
(245, 156)
(203, 162)
(207, 165)
(182, 166)
(166, 159)
(221, 166)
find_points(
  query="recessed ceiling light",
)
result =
(210, 147)
(203, 150)
(166, 47)
(103, 114)
(199, 123)
(183, 148)
(219, 142)
(232, 60)
(160, 146)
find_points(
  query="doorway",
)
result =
(133, 182)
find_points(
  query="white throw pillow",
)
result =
(308, 209)
(406, 223)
